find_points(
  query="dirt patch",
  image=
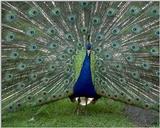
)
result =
(142, 117)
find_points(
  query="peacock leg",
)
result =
(77, 107)
(86, 99)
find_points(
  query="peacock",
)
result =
(80, 50)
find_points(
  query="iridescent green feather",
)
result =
(43, 48)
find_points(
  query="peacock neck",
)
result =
(84, 85)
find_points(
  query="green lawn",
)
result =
(105, 113)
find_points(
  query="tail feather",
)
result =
(43, 47)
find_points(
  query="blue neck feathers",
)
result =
(84, 85)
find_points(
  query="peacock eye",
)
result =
(115, 96)
(157, 32)
(134, 29)
(133, 47)
(154, 51)
(134, 10)
(146, 105)
(72, 18)
(56, 12)
(68, 69)
(34, 12)
(154, 11)
(34, 47)
(39, 60)
(96, 20)
(135, 75)
(52, 31)
(11, 17)
(30, 31)
(129, 100)
(145, 65)
(99, 37)
(110, 12)
(69, 36)
(29, 98)
(66, 82)
(10, 107)
(115, 31)
(158, 73)
(84, 30)
(19, 105)
(11, 37)
(8, 76)
(108, 55)
(22, 85)
(84, 4)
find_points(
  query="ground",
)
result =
(105, 113)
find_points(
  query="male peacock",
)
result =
(56, 50)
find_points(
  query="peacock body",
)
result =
(55, 50)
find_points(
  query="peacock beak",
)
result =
(88, 52)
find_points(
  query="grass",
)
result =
(105, 113)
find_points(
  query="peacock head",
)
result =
(88, 47)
